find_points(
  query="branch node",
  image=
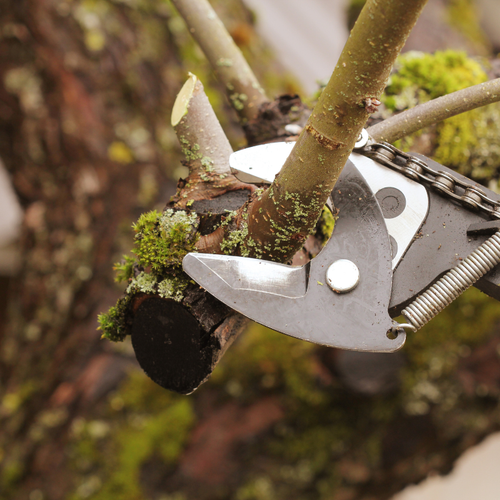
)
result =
(323, 140)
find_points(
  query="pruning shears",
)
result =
(410, 237)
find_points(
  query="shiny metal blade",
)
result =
(405, 220)
(260, 163)
(263, 163)
(242, 273)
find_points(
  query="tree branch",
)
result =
(206, 149)
(283, 216)
(434, 111)
(200, 328)
(242, 87)
(200, 134)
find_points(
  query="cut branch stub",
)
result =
(200, 134)
(178, 348)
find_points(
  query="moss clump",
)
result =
(325, 225)
(467, 142)
(161, 242)
(113, 324)
(124, 270)
(431, 76)
(163, 239)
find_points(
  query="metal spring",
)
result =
(453, 283)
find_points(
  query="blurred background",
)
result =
(86, 91)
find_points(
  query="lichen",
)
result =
(207, 163)
(172, 288)
(238, 100)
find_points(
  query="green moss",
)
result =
(163, 240)
(124, 270)
(467, 142)
(113, 323)
(433, 75)
(325, 225)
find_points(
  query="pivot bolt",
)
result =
(342, 276)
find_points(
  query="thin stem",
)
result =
(242, 87)
(432, 112)
(282, 218)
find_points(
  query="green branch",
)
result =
(231, 68)
(287, 212)
(434, 111)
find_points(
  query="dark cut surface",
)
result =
(168, 344)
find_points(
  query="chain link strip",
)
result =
(465, 193)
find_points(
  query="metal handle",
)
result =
(453, 283)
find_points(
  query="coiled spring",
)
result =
(453, 283)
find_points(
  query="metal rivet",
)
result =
(362, 140)
(342, 276)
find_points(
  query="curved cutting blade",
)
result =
(296, 300)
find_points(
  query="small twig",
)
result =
(434, 111)
(202, 138)
(242, 87)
